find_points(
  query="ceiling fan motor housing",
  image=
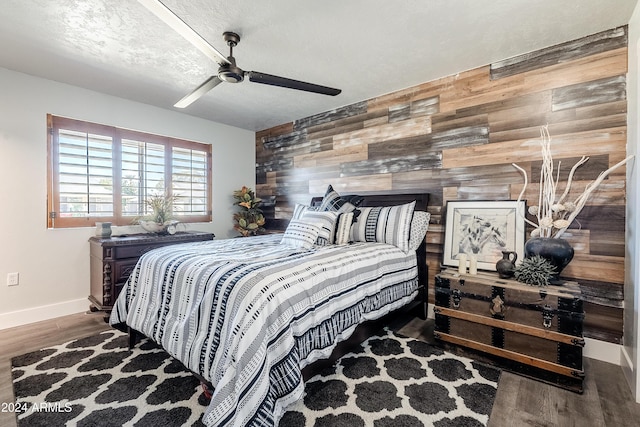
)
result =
(230, 72)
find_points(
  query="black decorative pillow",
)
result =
(354, 199)
(332, 201)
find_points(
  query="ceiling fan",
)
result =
(228, 71)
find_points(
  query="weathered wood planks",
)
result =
(456, 138)
(581, 48)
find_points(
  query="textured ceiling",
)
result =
(364, 47)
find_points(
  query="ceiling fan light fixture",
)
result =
(231, 74)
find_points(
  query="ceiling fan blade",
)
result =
(268, 79)
(205, 87)
(178, 25)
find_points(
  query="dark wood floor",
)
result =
(606, 401)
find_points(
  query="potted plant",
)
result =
(534, 271)
(553, 215)
(249, 220)
(161, 219)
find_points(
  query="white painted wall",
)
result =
(630, 359)
(54, 264)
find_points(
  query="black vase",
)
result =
(557, 251)
(507, 265)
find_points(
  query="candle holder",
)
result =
(462, 263)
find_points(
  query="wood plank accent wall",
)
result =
(456, 138)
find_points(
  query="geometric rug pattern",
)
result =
(388, 381)
(97, 381)
(394, 381)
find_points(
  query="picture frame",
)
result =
(484, 229)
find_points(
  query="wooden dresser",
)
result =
(113, 260)
(534, 331)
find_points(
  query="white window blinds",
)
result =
(102, 173)
(85, 174)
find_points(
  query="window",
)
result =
(101, 173)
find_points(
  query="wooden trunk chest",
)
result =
(534, 331)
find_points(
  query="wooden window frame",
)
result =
(54, 123)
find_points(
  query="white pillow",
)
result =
(300, 234)
(327, 221)
(419, 227)
(388, 224)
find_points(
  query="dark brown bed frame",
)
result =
(365, 329)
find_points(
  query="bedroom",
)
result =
(58, 284)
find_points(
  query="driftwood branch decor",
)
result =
(553, 215)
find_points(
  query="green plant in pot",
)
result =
(535, 271)
(249, 220)
(553, 215)
(161, 219)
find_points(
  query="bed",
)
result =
(248, 315)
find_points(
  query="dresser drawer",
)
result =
(135, 251)
(123, 269)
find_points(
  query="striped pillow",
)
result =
(389, 224)
(327, 222)
(343, 228)
(300, 234)
(300, 209)
(332, 201)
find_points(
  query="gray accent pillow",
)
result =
(419, 227)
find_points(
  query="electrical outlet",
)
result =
(13, 279)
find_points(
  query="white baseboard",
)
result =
(629, 373)
(625, 359)
(603, 351)
(45, 312)
(594, 349)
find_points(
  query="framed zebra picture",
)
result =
(482, 230)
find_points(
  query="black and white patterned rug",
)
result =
(389, 380)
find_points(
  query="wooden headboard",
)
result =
(370, 200)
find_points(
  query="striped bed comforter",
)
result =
(248, 314)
